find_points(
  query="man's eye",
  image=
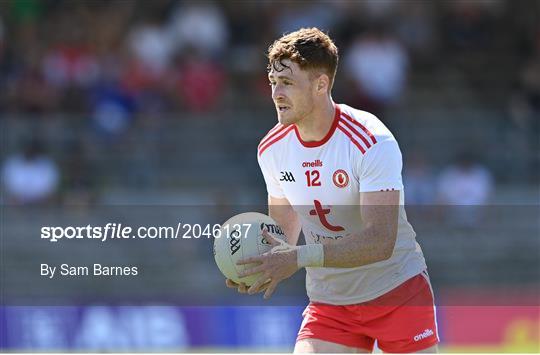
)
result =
(287, 83)
(271, 83)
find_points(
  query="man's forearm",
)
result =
(368, 247)
(291, 227)
(288, 221)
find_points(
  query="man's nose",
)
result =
(277, 94)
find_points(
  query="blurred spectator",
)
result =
(31, 91)
(152, 47)
(530, 84)
(378, 64)
(26, 11)
(2, 37)
(379, 10)
(465, 187)
(419, 181)
(30, 177)
(465, 182)
(70, 63)
(296, 15)
(526, 103)
(26, 88)
(113, 109)
(241, 24)
(200, 82)
(79, 178)
(200, 25)
(415, 26)
(525, 110)
(468, 23)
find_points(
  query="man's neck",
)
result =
(316, 126)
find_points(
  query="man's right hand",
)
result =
(243, 288)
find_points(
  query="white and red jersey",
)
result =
(323, 181)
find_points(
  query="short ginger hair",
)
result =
(310, 48)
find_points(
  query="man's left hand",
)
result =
(276, 265)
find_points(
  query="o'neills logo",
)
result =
(312, 164)
(272, 228)
(425, 334)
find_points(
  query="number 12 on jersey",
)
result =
(312, 177)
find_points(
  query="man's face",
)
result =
(292, 92)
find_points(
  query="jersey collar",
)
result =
(313, 144)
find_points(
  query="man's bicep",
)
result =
(380, 211)
(285, 216)
(380, 198)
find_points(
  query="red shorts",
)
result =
(402, 320)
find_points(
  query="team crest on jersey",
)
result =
(340, 178)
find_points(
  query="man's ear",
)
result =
(322, 83)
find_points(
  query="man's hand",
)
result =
(276, 265)
(242, 287)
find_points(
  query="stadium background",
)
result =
(162, 103)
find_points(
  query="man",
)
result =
(335, 172)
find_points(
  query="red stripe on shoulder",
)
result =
(353, 130)
(272, 133)
(348, 134)
(275, 138)
(361, 127)
(277, 126)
